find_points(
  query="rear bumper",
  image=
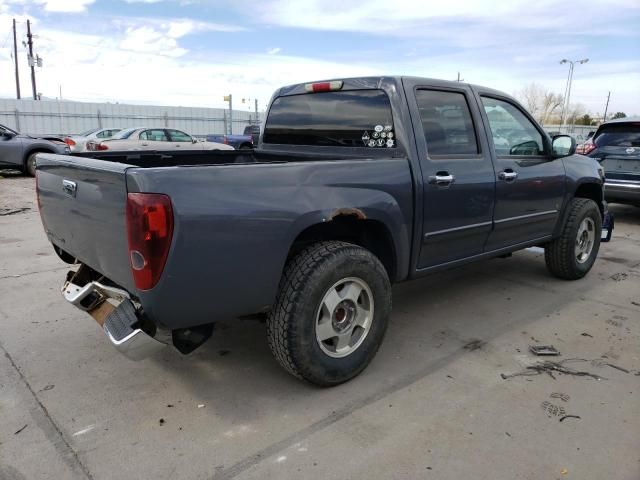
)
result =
(113, 309)
(622, 190)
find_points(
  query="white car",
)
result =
(78, 143)
(154, 139)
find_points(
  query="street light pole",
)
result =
(567, 90)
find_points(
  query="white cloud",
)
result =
(70, 6)
(274, 51)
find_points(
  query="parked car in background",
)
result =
(143, 138)
(356, 184)
(616, 145)
(254, 131)
(77, 143)
(19, 151)
(239, 142)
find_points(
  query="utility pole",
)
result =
(604, 118)
(230, 114)
(256, 105)
(567, 90)
(32, 61)
(15, 59)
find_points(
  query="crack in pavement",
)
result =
(18, 275)
(68, 454)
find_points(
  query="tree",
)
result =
(541, 103)
(619, 115)
(584, 120)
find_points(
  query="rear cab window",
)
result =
(618, 135)
(346, 118)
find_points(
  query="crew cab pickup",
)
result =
(356, 184)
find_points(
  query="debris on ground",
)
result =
(201, 405)
(549, 367)
(600, 363)
(222, 353)
(169, 405)
(564, 471)
(562, 396)
(553, 410)
(12, 211)
(544, 350)
(161, 421)
(474, 345)
(48, 387)
(585, 334)
(16, 433)
(569, 416)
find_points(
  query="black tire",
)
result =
(246, 147)
(30, 165)
(291, 324)
(560, 255)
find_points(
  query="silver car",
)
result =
(154, 139)
(77, 143)
(18, 151)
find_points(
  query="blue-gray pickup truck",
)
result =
(356, 184)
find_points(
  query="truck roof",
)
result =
(355, 83)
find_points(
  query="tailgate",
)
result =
(620, 162)
(83, 206)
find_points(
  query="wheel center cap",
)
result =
(343, 315)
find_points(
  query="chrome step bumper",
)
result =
(120, 324)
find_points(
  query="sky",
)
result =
(193, 52)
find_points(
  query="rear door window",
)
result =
(154, 135)
(447, 124)
(618, 135)
(351, 118)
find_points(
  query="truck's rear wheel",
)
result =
(572, 255)
(331, 313)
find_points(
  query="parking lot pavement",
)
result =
(431, 405)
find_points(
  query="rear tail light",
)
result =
(101, 146)
(69, 141)
(586, 148)
(323, 86)
(225, 140)
(149, 232)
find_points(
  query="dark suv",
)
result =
(616, 145)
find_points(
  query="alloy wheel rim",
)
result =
(585, 239)
(344, 317)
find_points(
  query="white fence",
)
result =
(53, 117)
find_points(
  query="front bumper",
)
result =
(114, 310)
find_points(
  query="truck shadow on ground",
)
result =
(433, 320)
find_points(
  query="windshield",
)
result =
(618, 135)
(7, 129)
(122, 134)
(88, 132)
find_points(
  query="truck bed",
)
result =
(236, 214)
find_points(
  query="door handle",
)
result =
(508, 175)
(145, 144)
(442, 179)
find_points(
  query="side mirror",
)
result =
(7, 135)
(562, 146)
(194, 140)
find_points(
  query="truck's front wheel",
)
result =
(331, 312)
(572, 255)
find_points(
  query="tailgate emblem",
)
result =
(69, 187)
(630, 150)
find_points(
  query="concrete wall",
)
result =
(52, 117)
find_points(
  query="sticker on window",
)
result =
(381, 136)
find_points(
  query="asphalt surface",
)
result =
(432, 404)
